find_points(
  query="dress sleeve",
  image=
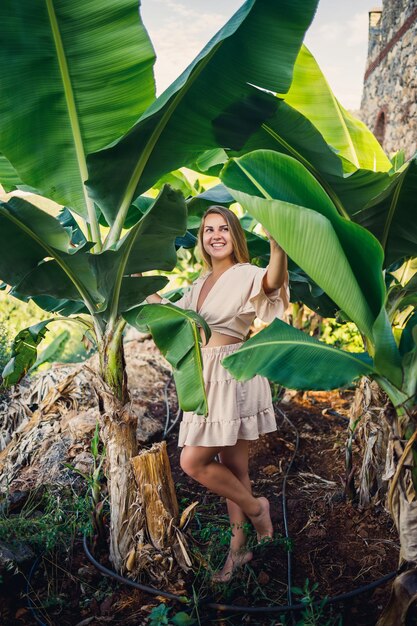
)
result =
(184, 302)
(266, 306)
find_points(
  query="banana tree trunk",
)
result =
(118, 432)
(368, 413)
(402, 503)
(145, 529)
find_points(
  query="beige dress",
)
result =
(237, 410)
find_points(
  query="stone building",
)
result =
(389, 99)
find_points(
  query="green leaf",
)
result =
(86, 76)
(210, 162)
(290, 132)
(9, 179)
(392, 215)
(176, 334)
(67, 220)
(182, 619)
(316, 238)
(197, 205)
(407, 342)
(262, 39)
(311, 95)
(134, 290)
(24, 353)
(178, 181)
(293, 359)
(304, 289)
(149, 245)
(343, 258)
(53, 351)
(28, 235)
(53, 305)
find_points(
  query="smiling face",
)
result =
(216, 237)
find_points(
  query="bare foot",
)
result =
(262, 522)
(234, 561)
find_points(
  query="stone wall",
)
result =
(389, 99)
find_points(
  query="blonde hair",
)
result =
(240, 247)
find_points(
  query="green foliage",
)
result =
(95, 477)
(290, 357)
(314, 612)
(344, 336)
(159, 616)
(24, 352)
(16, 315)
(177, 335)
(47, 521)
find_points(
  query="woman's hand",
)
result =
(272, 241)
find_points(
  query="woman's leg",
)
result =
(199, 463)
(236, 459)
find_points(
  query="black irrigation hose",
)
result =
(245, 609)
(284, 507)
(108, 572)
(31, 606)
(236, 608)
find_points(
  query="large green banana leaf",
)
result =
(258, 46)
(290, 132)
(343, 258)
(392, 215)
(176, 333)
(296, 360)
(24, 227)
(311, 95)
(101, 281)
(277, 176)
(74, 76)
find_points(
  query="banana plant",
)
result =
(310, 125)
(346, 261)
(81, 125)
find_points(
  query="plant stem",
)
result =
(112, 361)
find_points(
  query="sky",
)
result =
(338, 38)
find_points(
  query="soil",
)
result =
(335, 546)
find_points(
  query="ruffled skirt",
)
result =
(237, 410)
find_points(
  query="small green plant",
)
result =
(94, 481)
(314, 612)
(159, 616)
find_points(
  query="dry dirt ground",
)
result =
(334, 545)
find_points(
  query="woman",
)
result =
(229, 296)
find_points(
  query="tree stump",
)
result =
(153, 476)
(164, 544)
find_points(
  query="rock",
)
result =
(12, 556)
